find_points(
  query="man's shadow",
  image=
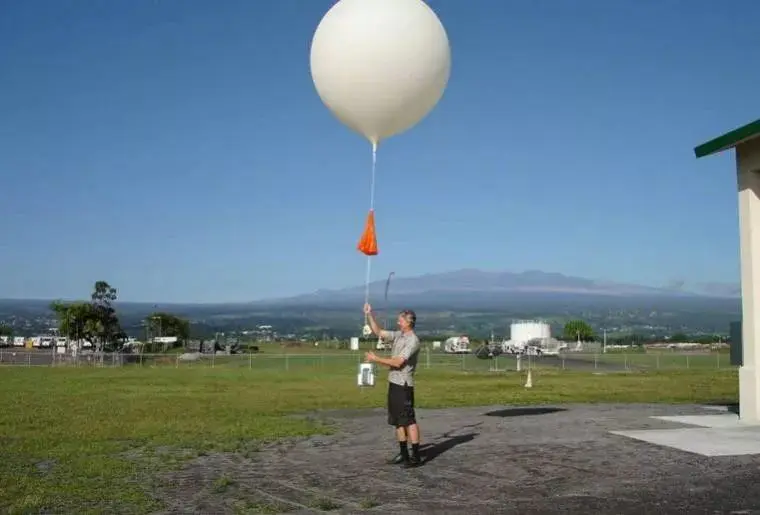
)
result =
(431, 451)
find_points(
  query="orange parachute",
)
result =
(368, 242)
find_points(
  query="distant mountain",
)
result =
(471, 286)
(473, 301)
(719, 289)
(459, 289)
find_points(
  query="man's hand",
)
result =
(371, 322)
(392, 362)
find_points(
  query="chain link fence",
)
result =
(332, 360)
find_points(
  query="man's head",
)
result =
(406, 320)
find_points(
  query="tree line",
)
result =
(575, 330)
(97, 322)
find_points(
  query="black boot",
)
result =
(414, 460)
(403, 455)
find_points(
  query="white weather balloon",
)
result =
(380, 66)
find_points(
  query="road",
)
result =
(566, 362)
(581, 364)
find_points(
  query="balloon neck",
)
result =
(374, 145)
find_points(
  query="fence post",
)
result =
(287, 363)
(29, 359)
(250, 360)
(687, 361)
(625, 361)
(718, 356)
(563, 362)
(463, 363)
(176, 364)
(427, 357)
(596, 357)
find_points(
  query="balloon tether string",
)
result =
(371, 208)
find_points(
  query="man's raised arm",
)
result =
(373, 323)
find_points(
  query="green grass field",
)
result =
(93, 440)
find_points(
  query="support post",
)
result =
(745, 141)
(748, 175)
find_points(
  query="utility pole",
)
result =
(163, 349)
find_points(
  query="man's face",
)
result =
(402, 323)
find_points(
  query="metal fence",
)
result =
(331, 360)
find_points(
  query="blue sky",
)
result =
(178, 149)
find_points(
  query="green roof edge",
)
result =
(729, 139)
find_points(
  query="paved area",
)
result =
(588, 364)
(485, 460)
(722, 434)
(563, 362)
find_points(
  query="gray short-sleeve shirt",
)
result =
(406, 346)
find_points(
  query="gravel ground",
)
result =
(477, 460)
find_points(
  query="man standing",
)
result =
(402, 364)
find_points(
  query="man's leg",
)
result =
(412, 428)
(413, 435)
(403, 444)
(401, 434)
(395, 412)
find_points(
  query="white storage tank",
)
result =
(522, 331)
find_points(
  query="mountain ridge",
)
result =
(462, 287)
(473, 282)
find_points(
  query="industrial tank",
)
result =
(523, 331)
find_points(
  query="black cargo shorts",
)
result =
(401, 405)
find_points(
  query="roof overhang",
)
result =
(729, 140)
